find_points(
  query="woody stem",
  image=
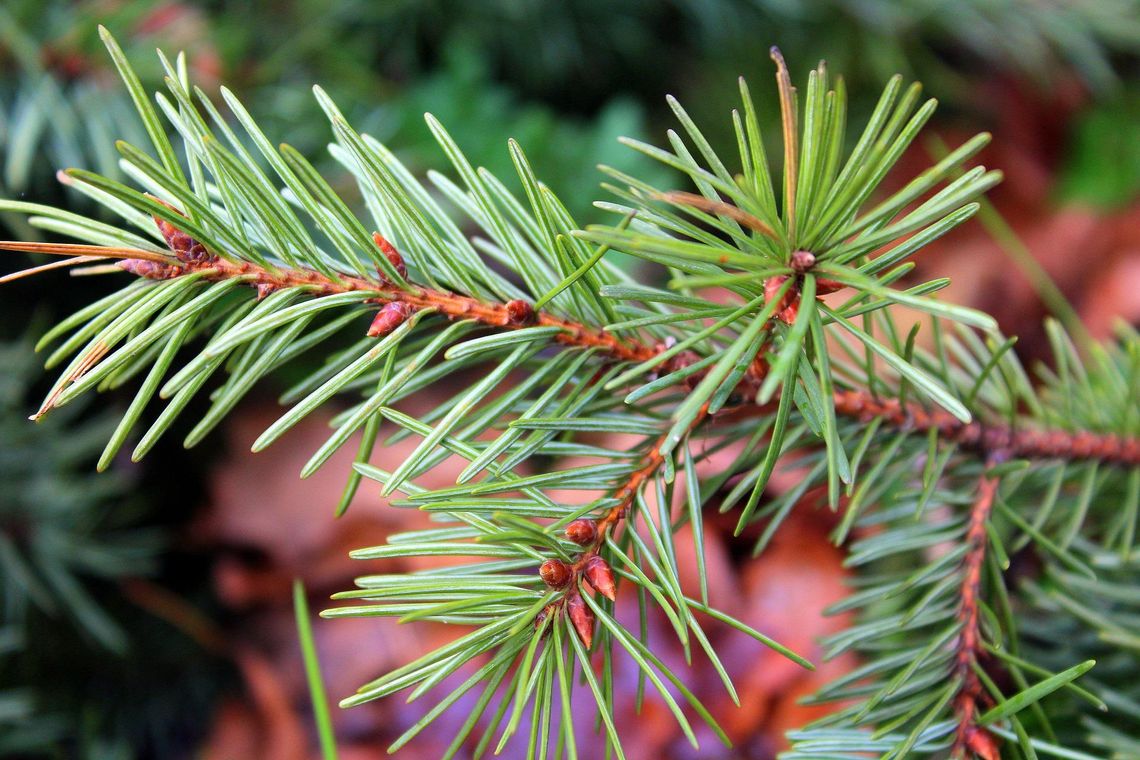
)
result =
(859, 404)
(970, 692)
(627, 492)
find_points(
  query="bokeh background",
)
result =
(147, 610)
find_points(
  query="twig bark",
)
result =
(972, 739)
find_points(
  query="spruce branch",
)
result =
(987, 439)
(532, 341)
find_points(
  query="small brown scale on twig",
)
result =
(151, 270)
(520, 313)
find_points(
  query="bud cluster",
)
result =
(801, 263)
(595, 571)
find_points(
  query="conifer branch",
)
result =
(895, 430)
(986, 439)
(592, 535)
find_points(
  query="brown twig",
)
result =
(989, 440)
(449, 305)
(627, 492)
(973, 436)
(972, 739)
(589, 565)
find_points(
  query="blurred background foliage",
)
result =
(115, 598)
(85, 661)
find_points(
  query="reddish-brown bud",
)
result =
(582, 531)
(389, 318)
(186, 248)
(554, 573)
(601, 577)
(802, 261)
(981, 743)
(519, 312)
(789, 313)
(823, 287)
(390, 253)
(789, 306)
(581, 617)
(772, 286)
(264, 289)
(152, 270)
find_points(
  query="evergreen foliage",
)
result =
(972, 500)
(65, 535)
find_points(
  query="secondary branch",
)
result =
(970, 737)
